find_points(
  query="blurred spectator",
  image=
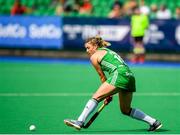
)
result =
(66, 7)
(129, 6)
(154, 10)
(72, 5)
(139, 24)
(18, 8)
(86, 7)
(177, 15)
(67, 10)
(144, 9)
(59, 10)
(117, 2)
(163, 13)
(76, 6)
(116, 11)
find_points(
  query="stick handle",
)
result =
(101, 108)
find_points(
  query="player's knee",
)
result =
(126, 111)
(97, 97)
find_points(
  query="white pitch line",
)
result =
(170, 94)
(154, 94)
(44, 94)
(90, 134)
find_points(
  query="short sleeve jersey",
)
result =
(111, 61)
(119, 73)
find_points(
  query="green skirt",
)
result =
(123, 79)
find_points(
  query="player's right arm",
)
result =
(95, 63)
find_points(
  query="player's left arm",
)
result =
(95, 63)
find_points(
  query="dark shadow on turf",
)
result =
(163, 130)
(124, 131)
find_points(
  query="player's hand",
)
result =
(108, 100)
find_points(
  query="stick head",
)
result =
(91, 120)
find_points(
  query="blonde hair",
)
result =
(97, 40)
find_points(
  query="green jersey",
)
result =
(111, 61)
(119, 73)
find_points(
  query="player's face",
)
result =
(90, 49)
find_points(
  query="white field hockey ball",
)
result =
(32, 127)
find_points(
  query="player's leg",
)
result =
(141, 52)
(138, 50)
(104, 90)
(125, 99)
(134, 56)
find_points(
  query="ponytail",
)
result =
(97, 40)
